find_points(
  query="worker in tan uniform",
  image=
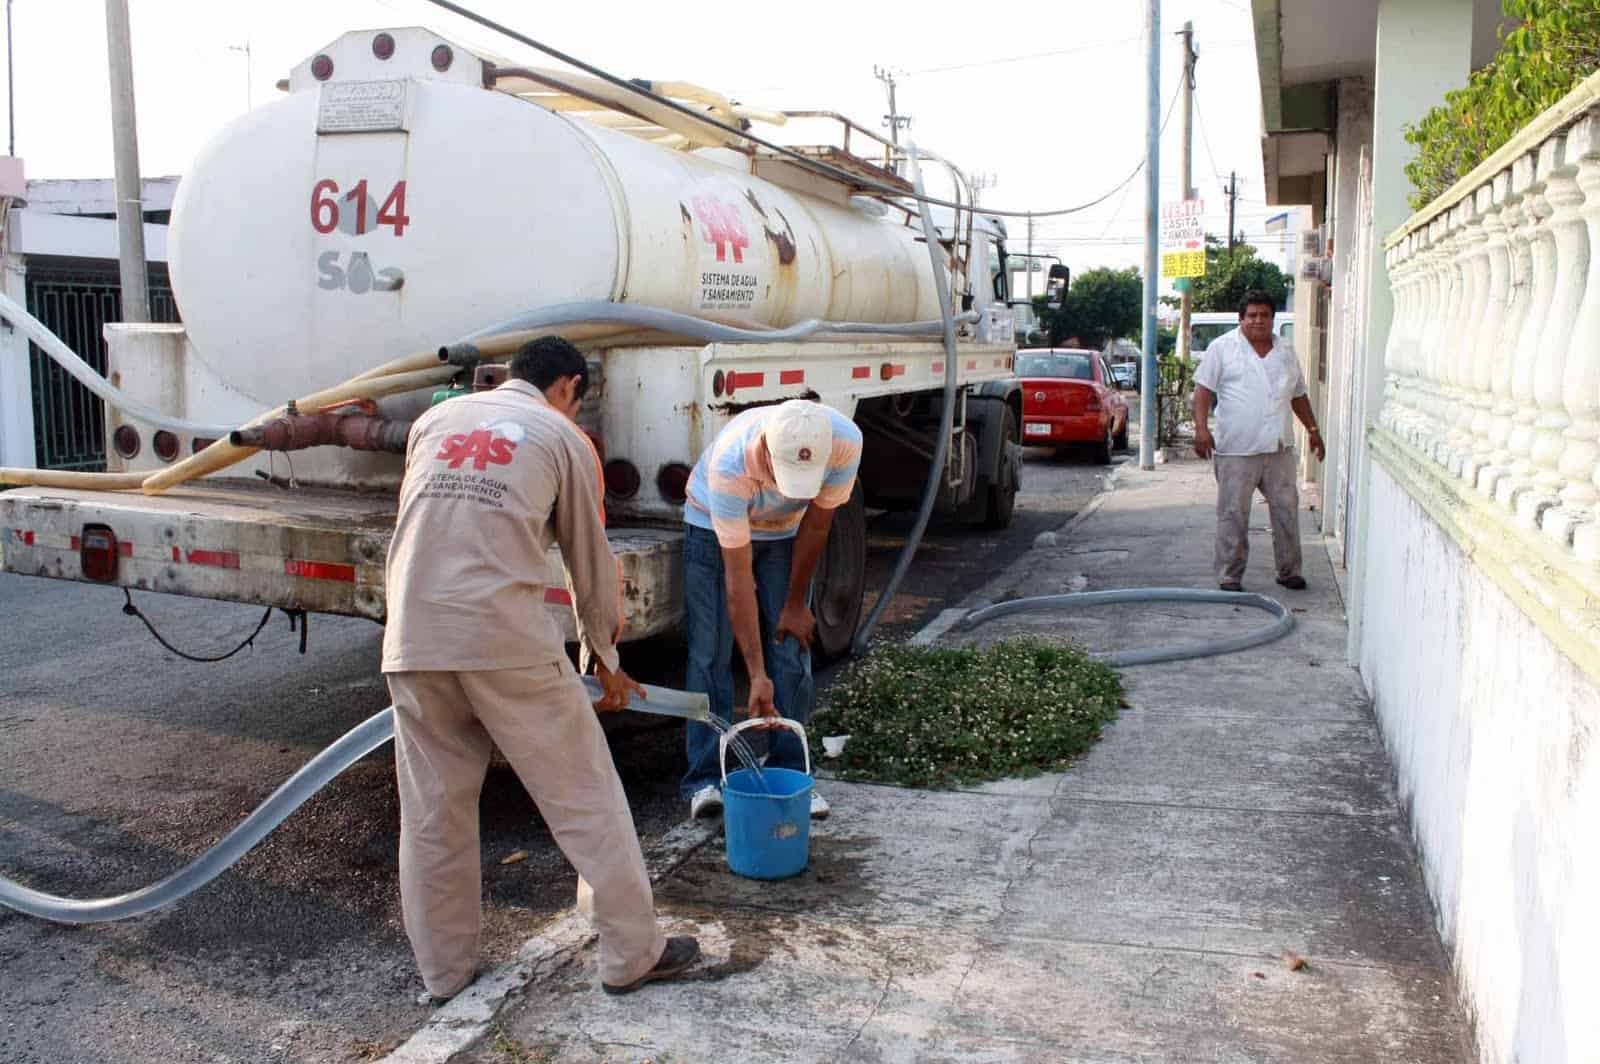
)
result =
(475, 659)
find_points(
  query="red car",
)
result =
(1069, 398)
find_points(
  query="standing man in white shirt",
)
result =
(1254, 383)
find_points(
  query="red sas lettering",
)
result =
(482, 447)
(723, 226)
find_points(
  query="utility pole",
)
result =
(1233, 194)
(894, 119)
(11, 85)
(1152, 234)
(1030, 260)
(1186, 305)
(249, 72)
(125, 146)
(982, 182)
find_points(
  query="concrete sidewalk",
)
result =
(1138, 907)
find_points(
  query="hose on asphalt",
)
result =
(317, 773)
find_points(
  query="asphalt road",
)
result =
(120, 762)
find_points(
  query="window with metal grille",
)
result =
(75, 298)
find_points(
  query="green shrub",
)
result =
(1555, 46)
(924, 717)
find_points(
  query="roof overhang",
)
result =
(1304, 48)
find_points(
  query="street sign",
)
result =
(1183, 239)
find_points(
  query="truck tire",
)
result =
(841, 579)
(1001, 496)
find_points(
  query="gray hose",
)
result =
(930, 490)
(687, 325)
(85, 374)
(1280, 627)
(316, 774)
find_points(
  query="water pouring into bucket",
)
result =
(766, 812)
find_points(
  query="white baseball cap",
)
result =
(799, 436)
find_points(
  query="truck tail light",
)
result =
(673, 482)
(165, 444)
(322, 68)
(622, 478)
(126, 441)
(442, 57)
(383, 46)
(98, 552)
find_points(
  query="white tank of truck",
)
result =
(390, 203)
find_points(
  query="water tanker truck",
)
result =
(409, 211)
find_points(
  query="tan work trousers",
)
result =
(445, 726)
(1238, 478)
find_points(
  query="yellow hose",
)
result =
(411, 373)
(222, 454)
(62, 478)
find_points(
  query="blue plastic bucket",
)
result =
(767, 818)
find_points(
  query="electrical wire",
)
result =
(1200, 120)
(800, 159)
(977, 64)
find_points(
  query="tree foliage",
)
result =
(1552, 45)
(1102, 304)
(1229, 277)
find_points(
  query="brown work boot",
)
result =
(680, 954)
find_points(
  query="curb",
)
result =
(467, 1018)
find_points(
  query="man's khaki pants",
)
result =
(1238, 478)
(540, 717)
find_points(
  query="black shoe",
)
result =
(1231, 585)
(1293, 583)
(681, 952)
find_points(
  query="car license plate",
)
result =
(1035, 428)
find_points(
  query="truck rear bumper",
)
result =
(307, 549)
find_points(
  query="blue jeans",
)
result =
(710, 634)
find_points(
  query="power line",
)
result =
(1023, 58)
(1200, 115)
(802, 160)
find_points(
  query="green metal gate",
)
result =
(75, 298)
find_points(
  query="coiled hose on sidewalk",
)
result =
(317, 773)
(1281, 625)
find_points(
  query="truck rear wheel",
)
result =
(841, 578)
(1002, 491)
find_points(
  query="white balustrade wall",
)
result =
(1493, 360)
(1480, 570)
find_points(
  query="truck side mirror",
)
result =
(1056, 284)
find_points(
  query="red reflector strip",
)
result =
(557, 596)
(320, 570)
(792, 376)
(75, 543)
(176, 556)
(999, 361)
(898, 371)
(972, 363)
(748, 380)
(24, 536)
(125, 548)
(222, 559)
(860, 373)
(938, 367)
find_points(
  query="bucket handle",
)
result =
(756, 722)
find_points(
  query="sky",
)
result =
(1047, 107)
